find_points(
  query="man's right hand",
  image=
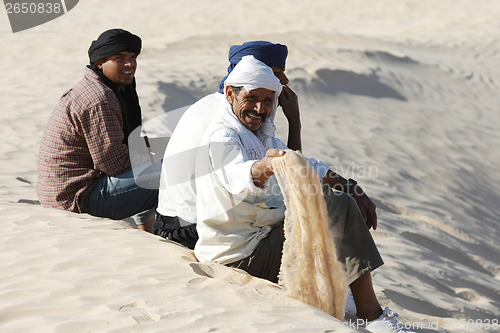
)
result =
(263, 169)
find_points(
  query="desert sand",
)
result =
(401, 95)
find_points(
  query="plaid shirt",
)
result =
(83, 141)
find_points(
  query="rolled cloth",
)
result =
(310, 270)
(269, 53)
(112, 42)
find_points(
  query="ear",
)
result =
(229, 94)
(99, 63)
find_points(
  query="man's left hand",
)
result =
(290, 104)
(367, 207)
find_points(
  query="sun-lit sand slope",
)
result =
(401, 95)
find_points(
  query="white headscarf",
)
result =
(251, 74)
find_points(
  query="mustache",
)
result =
(254, 113)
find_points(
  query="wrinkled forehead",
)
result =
(258, 92)
(253, 91)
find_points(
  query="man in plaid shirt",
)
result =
(84, 163)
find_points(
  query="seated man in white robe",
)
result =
(176, 211)
(240, 209)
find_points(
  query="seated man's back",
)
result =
(177, 196)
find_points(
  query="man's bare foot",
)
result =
(148, 226)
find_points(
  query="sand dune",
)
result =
(401, 95)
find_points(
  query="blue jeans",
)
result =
(119, 197)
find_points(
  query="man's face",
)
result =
(251, 108)
(280, 74)
(119, 68)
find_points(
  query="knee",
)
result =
(334, 197)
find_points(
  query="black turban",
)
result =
(112, 42)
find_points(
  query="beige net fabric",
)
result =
(309, 271)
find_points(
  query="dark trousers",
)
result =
(353, 241)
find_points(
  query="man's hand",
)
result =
(263, 169)
(366, 206)
(289, 101)
(290, 104)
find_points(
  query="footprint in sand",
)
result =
(468, 294)
(231, 275)
(140, 312)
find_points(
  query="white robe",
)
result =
(177, 196)
(233, 214)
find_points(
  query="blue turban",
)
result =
(269, 53)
